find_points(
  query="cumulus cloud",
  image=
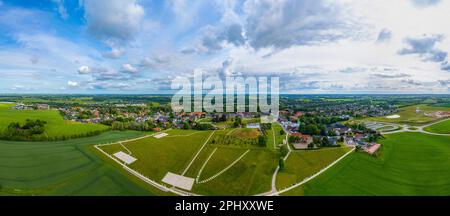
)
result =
(129, 68)
(282, 24)
(425, 48)
(72, 84)
(113, 19)
(84, 70)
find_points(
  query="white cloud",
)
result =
(72, 83)
(113, 19)
(84, 70)
(113, 54)
(129, 68)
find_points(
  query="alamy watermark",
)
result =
(228, 94)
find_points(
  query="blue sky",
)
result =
(139, 46)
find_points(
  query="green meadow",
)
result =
(71, 167)
(173, 153)
(302, 164)
(441, 127)
(56, 127)
(408, 115)
(408, 164)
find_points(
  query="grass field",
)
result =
(409, 164)
(56, 126)
(441, 127)
(302, 164)
(66, 168)
(156, 157)
(248, 176)
(408, 115)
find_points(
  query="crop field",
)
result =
(302, 164)
(441, 127)
(408, 115)
(218, 169)
(409, 164)
(56, 126)
(69, 167)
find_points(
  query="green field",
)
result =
(56, 126)
(156, 157)
(409, 164)
(408, 115)
(441, 127)
(70, 167)
(248, 176)
(302, 164)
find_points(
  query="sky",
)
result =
(140, 46)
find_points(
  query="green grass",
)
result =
(251, 175)
(441, 127)
(278, 138)
(156, 157)
(302, 164)
(66, 168)
(408, 115)
(409, 164)
(56, 126)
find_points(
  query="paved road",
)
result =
(419, 129)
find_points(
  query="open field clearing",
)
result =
(156, 157)
(249, 176)
(217, 169)
(302, 164)
(56, 126)
(441, 127)
(414, 115)
(69, 167)
(409, 164)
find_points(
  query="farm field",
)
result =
(441, 127)
(302, 164)
(156, 157)
(222, 169)
(69, 167)
(409, 164)
(408, 115)
(56, 126)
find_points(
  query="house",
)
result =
(332, 141)
(303, 140)
(42, 106)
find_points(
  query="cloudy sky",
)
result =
(139, 46)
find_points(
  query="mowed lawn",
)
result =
(249, 176)
(56, 126)
(441, 127)
(408, 115)
(156, 157)
(302, 164)
(409, 164)
(69, 167)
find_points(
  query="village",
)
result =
(307, 130)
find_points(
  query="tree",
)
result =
(281, 132)
(262, 140)
(281, 163)
(284, 151)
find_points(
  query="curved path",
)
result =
(419, 129)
